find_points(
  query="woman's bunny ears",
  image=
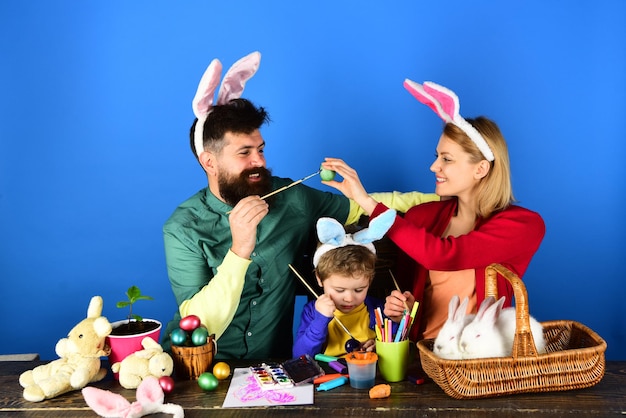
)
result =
(445, 103)
(231, 88)
(332, 234)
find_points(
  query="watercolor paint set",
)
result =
(297, 371)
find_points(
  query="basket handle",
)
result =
(523, 342)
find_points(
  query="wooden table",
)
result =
(607, 398)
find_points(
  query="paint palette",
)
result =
(271, 376)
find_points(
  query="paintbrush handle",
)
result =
(317, 297)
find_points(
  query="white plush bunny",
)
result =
(492, 331)
(446, 344)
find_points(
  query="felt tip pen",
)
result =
(336, 365)
(418, 380)
(331, 384)
(325, 358)
(327, 377)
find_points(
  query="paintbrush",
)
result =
(287, 186)
(406, 307)
(317, 297)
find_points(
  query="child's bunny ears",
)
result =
(150, 398)
(231, 88)
(445, 103)
(332, 234)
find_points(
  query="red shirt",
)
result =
(509, 237)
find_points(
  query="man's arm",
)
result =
(213, 298)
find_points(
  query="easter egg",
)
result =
(189, 323)
(221, 370)
(352, 345)
(199, 336)
(166, 383)
(207, 381)
(178, 336)
(327, 175)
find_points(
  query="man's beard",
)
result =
(233, 188)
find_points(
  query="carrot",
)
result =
(380, 391)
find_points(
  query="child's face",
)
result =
(346, 292)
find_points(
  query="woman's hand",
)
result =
(351, 185)
(394, 304)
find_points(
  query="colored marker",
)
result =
(333, 383)
(338, 367)
(325, 358)
(418, 380)
(327, 377)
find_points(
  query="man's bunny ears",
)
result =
(445, 103)
(231, 88)
(332, 234)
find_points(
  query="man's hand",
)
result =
(244, 220)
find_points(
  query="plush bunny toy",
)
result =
(150, 398)
(79, 358)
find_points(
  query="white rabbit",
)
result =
(446, 344)
(492, 331)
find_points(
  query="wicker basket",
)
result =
(574, 358)
(191, 362)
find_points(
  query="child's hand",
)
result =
(325, 306)
(394, 304)
(368, 345)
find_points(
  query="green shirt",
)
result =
(248, 304)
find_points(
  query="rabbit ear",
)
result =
(150, 391)
(104, 402)
(445, 103)
(377, 228)
(203, 100)
(236, 77)
(448, 101)
(453, 306)
(461, 310)
(423, 96)
(330, 231)
(490, 315)
(487, 302)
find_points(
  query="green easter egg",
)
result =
(327, 175)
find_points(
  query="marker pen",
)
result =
(336, 365)
(325, 358)
(333, 383)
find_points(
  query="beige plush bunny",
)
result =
(79, 362)
(151, 361)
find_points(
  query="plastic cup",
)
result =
(362, 369)
(393, 359)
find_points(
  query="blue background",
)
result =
(96, 106)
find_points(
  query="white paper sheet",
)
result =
(245, 391)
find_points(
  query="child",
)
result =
(344, 268)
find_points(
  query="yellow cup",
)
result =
(393, 359)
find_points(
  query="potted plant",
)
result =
(127, 334)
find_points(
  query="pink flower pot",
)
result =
(124, 345)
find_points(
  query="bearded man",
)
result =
(228, 250)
